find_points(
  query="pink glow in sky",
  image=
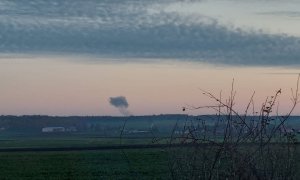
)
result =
(56, 86)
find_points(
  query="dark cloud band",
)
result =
(127, 29)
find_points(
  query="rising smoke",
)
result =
(121, 103)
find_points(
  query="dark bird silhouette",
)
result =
(279, 91)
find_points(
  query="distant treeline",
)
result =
(34, 123)
(108, 124)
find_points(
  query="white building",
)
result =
(71, 129)
(53, 129)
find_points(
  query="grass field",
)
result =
(69, 140)
(72, 140)
(102, 164)
(108, 164)
(143, 164)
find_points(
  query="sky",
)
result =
(70, 57)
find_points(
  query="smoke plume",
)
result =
(121, 103)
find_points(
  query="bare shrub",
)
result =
(231, 145)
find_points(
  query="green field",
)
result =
(142, 164)
(103, 164)
(108, 164)
(67, 140)
(100, 164)
(73, 140)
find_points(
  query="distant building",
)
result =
(135, 131)
(178, 132)
(53, 129)
(71, 129)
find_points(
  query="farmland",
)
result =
(96, 156)
(96, 164)
(147, 164)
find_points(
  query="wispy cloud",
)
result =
(291, 14)
(282, 73)
(132, 29)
